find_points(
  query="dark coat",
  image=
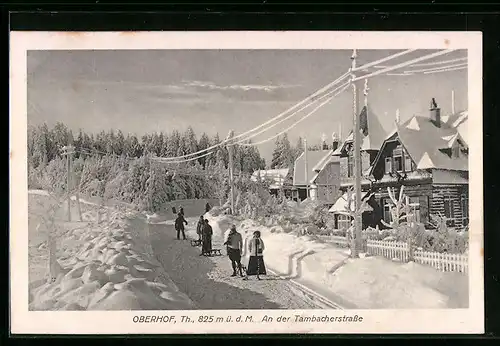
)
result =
(181, 211)
(179, 223)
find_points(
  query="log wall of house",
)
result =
(423, 191)
(454, 192)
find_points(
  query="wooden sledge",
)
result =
(213, 252)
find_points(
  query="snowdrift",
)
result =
(108, 267)
(366, 283)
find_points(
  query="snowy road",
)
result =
(207, 281)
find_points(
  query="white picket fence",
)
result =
(388, 249)
(445, 262)
(335, 239)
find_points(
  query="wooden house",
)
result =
(430, 158)
(323, 177)
(372, 137)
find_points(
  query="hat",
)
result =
(233, 227)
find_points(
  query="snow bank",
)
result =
(374, 282)
(108, 267)
(367, 282)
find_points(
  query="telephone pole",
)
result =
(306, 168)
(231, 169)
(357, 162)
(68, 151)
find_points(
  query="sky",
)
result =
(214, 91)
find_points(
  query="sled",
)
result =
(195, 242)
(214, 252)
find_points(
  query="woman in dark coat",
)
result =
(181, 211)
(207, 208)
(256, 264)
(206, 239)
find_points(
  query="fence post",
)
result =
(410, 250)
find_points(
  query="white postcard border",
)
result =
(463, 321)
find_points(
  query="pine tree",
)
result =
(204, 143)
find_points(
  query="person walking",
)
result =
(174, 211)
(234, 243)
(256, 264)
(179, 226)
(181, 210)
(199, 227)
(207, 207)
(206, 242)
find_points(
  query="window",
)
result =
(448, 210)
(387, 203)
(464, 202)
(397, 155)
(414, 204)
(408, 163)
(343, 221)
(388, 164)
(455, 151)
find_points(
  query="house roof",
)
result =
(424, 143)
(277, 176)
(373, 132)
(316, 159)
(341, 207)
(459, 121)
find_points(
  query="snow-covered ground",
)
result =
(99, 267)
(367, 283)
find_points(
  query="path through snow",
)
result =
(207, 281)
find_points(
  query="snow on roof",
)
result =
(413, 124)
(424, 144)
(340, 206)
(317, 160)
(277, 176)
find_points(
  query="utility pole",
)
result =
(357, 163)
(453, 102)
(306, 168)
(231, 169)
(68, 151)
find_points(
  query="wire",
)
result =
(439, 62)
(365, 66)
(291, 115)
(162, 160)
(346, 85)
(436, 68)
(404, 64)
(446, 70)
(307, 99)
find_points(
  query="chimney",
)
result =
(435, 113)
(335, 142)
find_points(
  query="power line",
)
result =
(307, 99)
(390, 57)
(344, 87)
(446, 70)
(294, 113)
(404, 64)
(436, 68)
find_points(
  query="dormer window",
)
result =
(398, 159)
